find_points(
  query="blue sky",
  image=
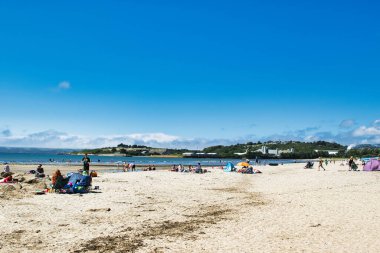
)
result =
(188, 73)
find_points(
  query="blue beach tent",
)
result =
(229, 167)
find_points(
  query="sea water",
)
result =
(30, 158)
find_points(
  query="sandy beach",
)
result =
(284, 209)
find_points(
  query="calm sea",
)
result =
(29, 158)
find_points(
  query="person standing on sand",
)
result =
(320, 164)
(350, 162)
(86, 163)
(132, 166)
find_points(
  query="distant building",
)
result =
(189, 154)
(244, 153)
(276, 152)
(330, 152)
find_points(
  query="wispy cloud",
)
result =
(64, 85)
(6, 133)
(348, 123)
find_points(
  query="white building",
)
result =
(330, 152)
(277, 152)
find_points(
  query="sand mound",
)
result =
(10, 191)
(26, 185)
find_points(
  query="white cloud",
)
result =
(64, 85)
(366, 131)
(56, 139)
(157, 137)
(376, 122)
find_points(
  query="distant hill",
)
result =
(34, 150)
(367, 146)
(248, 150)
(299, 149)
(364, 150)
(133, 150)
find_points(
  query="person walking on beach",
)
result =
(86, 163)
(320, 164)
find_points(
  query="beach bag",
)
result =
(85, 181)
(80, 189)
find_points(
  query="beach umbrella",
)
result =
(243, 164)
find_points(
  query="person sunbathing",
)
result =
(8, 179)
(174, 168)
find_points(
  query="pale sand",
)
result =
(285, 209)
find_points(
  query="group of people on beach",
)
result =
(322, 163)
(180, 168)
(129, 167)
(6, 174)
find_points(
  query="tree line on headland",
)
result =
(250, 150)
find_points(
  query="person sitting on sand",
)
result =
(7, 169)
(174, 168)
(40, 171)
(199, 168)
(309, 165)
(148, 169)
(57, 180)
